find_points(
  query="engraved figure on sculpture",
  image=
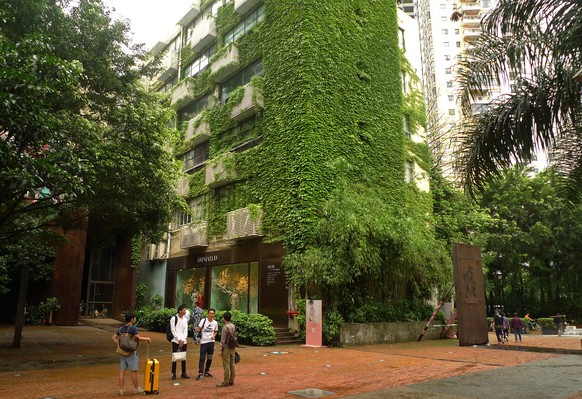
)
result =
(470, 286)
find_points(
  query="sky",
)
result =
(150, 20)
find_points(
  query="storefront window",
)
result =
(190, 287)
(235, 287)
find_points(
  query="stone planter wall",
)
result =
(375, 333)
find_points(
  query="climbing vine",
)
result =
(332, 134)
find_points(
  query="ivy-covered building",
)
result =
(281, 103)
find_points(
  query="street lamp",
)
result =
(499, 276)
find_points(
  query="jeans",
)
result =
(517, 332)
(206, 352)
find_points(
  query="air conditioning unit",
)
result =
(157, 251)
(193, 235)
(241, 223)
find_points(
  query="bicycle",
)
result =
(533, 325)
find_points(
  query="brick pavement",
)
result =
(75, 362)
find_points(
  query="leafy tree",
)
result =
(539, 45)
(78, 129)
(366, 250)
(533, 243)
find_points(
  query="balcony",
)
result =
(247, 107)
(169, 65)
(221, 170)
(243, 223)
(184, 186)
(189, 17)
(471, 21)
(204, 34)
(183, 93)
(194, 235)
(472, 34)
(471, 7)
(241, 7)
(198, 129)
(226, 65)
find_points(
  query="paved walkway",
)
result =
(79, 362)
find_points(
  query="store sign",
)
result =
(206, 259)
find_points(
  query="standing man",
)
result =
(196, 317)
(179, 326)
(208, 329)
(226, 352)
(131, 361)
(516, 326)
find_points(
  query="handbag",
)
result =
(127, 342)
(178, 357)
(236, 358)
(121, 352)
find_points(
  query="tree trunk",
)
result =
(22, 293)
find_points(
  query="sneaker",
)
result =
(121, 392)
(139, 390)
(231, 383)
(208, 375)
(184, 375)
(200, 376)
(173, 376)
(222, 385)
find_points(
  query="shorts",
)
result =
(129, 362)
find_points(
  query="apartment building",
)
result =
(269, 96)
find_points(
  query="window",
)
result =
(401, 40)
(191, 110)
(443, 19)
(447, 57)
(169, 84)
(445, 31)
(443, 6)
(196, 156)
(407, 126)
(456, 31)
(450, 83)
(200, 63)
(404, 83)
(241, 78)
(451, 97)
(199, 208)
(446, 44)
(458, 44)
(241, 137)
(181, 217)
(246, 24)
(448, 71)
(409, 173)
(451, 112)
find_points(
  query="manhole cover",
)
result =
(279, 353)
(311, 393)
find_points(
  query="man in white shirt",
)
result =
(208, 329)
(179, 327)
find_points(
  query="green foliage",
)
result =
(154, 319)
(79, 130)
(377, 311)
(331, 328)
(252, 329)
(36, 314)
(140, 295)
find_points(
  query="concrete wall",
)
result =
(374, 333)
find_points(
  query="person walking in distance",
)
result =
(516, 326)
(131, 361)
(179, 326)
(506, 327)
(196, 317)
(227, 351)
(498, 325)
(208, 329)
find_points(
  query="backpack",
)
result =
(169, 335)
(232, 340)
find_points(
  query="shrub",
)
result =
(252, 329)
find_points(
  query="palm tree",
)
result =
(538, 43)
